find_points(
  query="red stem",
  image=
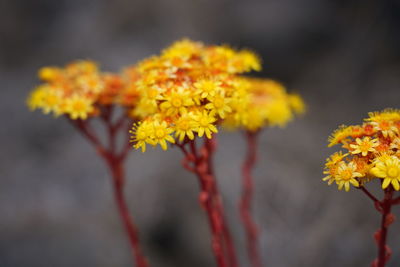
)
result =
(117, 170)
(115, 162)
(247, 198)
(384, 251)
(206, 198)
(210, 146)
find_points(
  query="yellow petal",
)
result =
(385, 183)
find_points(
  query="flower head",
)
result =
(80, 89)
(373, 152)
(190, 87)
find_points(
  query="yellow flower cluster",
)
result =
(263, 102)
(373, 152)
(187, 90)
(79, 90)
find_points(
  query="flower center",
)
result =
(365, 146)
(160, 133)
(184, 125)
(176, 102)
(346, 174)
(393, 172)
(218, 102)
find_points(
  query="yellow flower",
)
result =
(142, 134)
(385, 115)
(339, 135)
(389, 170)
(161, 134)
(297, 103)
(346, 174)
(177, 102)
(78, 107)
(205, 124)
(364, 146)
(206, 88)
(185, 125)
(218, 105)
(335, 158)
(387, 128)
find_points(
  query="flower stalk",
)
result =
(199, 162)
(384, 207)
(247, 198)
(115, 162)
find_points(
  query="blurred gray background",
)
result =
(56, 203)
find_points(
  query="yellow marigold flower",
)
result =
(364, 146)
(185, 126)
(346, 174)
(205, 124)
(78, 107)
(389, 170)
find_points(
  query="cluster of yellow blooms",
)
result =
(185, 92)
(263, 102)
(190, 88)
(79, 90)
(373, 152)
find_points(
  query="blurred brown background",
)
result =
(56, 204)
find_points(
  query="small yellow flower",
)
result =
(297, 103)
(161, 134)
(185, 126)
(346, 174)
(205, 124)
(364, 146)
(142, 134)
(387, 128)
(206, 88)
(339, 135)
(389, 170)
(218, 105)
(78, 107)
(177, 102)
(335, 158)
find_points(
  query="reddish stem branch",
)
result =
(384, 252)
(117, 170)
(247, 198)
(207, 201)
(210, 146)
(115, 162)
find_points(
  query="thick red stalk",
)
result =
(384, 252)
(247, 198)
(117, 170)
(115, 162)
(384, 207)
(210, 146)
(200, 166)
